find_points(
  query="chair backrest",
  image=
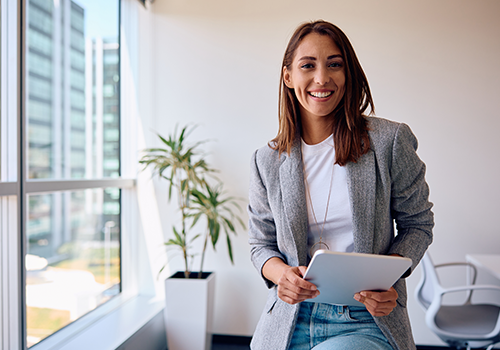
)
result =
(429, 283)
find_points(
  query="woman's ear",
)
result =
(287, 78)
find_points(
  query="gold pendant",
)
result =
(318, 246)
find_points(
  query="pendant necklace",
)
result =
(319, 244)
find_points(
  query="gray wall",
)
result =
(431, 64)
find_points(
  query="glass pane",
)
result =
(72, 89)
(73, 257)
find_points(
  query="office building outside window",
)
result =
(72, 100)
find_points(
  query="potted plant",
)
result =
(189, 295)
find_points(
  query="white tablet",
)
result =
(339, 276)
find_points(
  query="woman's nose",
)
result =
(321, 77)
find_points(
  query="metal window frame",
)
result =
(10, 268)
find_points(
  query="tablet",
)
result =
(339, 276)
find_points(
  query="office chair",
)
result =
(468, 324)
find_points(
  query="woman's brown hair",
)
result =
(350, 129)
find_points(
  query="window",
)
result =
(62, 193)
(71, 232)
(68, 201)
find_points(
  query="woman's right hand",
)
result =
(292, 287)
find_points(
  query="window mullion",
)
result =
(21, 180)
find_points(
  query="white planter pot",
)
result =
(189, 311)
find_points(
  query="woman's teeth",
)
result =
(321, 94)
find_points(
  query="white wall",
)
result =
(431, 64)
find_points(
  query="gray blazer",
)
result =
(385, 185)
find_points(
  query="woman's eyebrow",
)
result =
(311, 58)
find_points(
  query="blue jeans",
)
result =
(326, 327)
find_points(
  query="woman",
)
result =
(333, 178)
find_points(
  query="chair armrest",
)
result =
(474, 287)
(439, 295)
(474, 268)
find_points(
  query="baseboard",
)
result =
(231, 339)
(245, 340)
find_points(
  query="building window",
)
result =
(72, 223)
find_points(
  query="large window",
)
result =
(72, 120)
(60, 164)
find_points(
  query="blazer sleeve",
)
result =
(262, 228)
(410, 204)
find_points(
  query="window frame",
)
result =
(10, 268)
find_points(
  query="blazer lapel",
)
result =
(294, 200)
(361, 181)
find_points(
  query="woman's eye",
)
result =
(307, 65)
(336, 64)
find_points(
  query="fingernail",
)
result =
(363, 294)
(357, 297)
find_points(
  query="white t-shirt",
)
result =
(319, 162)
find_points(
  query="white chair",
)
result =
(468, 324)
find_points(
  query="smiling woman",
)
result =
(333, 178)
(351, 99)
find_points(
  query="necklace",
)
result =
(319, 244)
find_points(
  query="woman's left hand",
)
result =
(378, 303)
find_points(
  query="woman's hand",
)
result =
(292, 287)
(378, 303)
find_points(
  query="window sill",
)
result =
(108, 331)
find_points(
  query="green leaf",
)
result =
(215, 233)
(170, 190)
(181, 241)
(230, 249)
(172, 242)
(196, 218)
(192, 239)
(229, 224)
(184, 184)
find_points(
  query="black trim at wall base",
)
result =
(245, 340)
(230, 339)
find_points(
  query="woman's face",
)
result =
(317, 75)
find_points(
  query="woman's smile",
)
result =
(321, 94)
